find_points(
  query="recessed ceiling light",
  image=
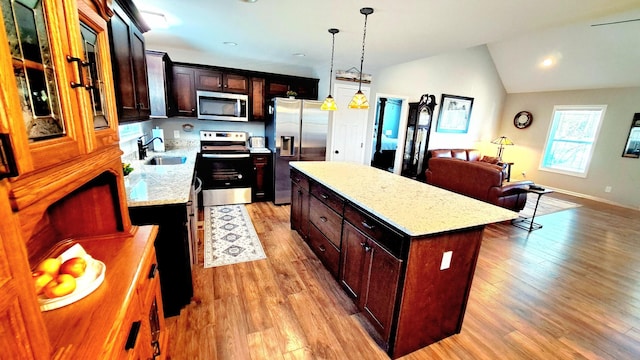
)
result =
(155, 20)
(230, 43)
(299, 55)
(547, 62)
(249, 1)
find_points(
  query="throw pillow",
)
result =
(490, 159)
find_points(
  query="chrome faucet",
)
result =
(142, 146)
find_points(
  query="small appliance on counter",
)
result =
(158, 144)
(256, 142)
(257, 145)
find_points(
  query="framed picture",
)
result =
(454, 115)
(632, 149)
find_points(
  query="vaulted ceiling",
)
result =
(520, 34)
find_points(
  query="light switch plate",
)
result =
(176, 134)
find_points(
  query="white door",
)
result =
(349, 126)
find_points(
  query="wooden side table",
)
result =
(526, 223)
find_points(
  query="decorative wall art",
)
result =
(632, 149)
(454, 114)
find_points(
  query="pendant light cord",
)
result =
(333, 45)
(364, 36)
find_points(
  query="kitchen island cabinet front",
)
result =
(408, 250)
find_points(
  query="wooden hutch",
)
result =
(61, 182)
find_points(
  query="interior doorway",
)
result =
(387, 144)
(348, 126)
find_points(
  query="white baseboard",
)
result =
(589, 197)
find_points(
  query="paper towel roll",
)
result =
(157, 144)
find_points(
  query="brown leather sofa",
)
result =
(479, 180)
(463, 154)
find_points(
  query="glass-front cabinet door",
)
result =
(98, 97)
(62, 98)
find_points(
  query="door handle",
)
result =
(81, 64)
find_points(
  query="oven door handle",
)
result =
(226, 156)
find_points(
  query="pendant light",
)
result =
(329, 103)
(359, 100)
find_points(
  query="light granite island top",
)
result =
(412, 207)
(150, 185)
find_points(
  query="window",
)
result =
(572, 138)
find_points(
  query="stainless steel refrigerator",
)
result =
(296, 130)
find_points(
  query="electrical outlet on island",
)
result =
(176, 134)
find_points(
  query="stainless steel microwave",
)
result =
(222, 106)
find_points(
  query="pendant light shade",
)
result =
(359, 100)
(330, 104)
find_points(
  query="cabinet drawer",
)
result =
(148, 278)
(333, 200)
(382, 234)
(128, 341)
(260, 159)
(324, 249)
(326, 220)
(300, 179)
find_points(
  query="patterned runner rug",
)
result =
(229, 236)
(547, 205)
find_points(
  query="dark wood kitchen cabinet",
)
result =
(214, 80)
(184, 90)
(306, 88)
(371, 275)
(325, 225)
(172, 251)
(258, 104)
(129, 63)
(262, 174)
(160, 70)
(188, 79)
(300, 203)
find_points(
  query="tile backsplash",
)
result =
(187, 129)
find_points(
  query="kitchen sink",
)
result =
(166, 160)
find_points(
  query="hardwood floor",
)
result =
(570, 290)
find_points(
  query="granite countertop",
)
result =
(412, 207)
(150, 185)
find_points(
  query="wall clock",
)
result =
(522, 119)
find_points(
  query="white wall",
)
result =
(608, 167)
(468, 72)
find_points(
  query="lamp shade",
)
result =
(502, 140)
(329, 104)
(359, 101)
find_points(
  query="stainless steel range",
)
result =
(224, 165)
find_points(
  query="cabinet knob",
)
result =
(336, 152)
(323, 219)
(322, 248)
(365, 246)
(324, 196)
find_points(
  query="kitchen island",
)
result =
(404, 250)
